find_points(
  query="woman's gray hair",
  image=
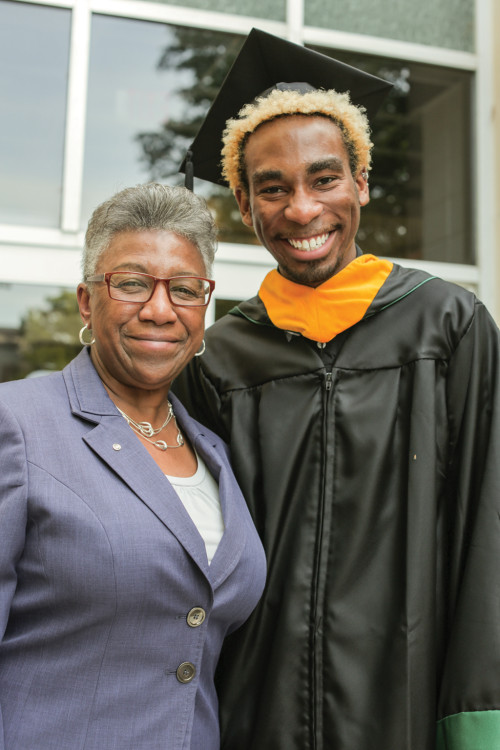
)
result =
(151, 206)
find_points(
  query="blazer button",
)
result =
(186, 671)
(195, 617)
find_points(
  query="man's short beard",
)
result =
(314, 273)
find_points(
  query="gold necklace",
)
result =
(146, 429)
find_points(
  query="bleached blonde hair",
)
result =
(351, 120)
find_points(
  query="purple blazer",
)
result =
(100, 565)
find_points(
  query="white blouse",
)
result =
(200, 496)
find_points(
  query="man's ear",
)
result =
(83, 297)
(362, 186)
(244, 205)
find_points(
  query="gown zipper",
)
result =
(323, 532)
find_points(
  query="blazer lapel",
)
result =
(211, 451)
(115, 443)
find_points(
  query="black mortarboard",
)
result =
(263, 62)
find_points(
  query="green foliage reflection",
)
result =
(46, 340)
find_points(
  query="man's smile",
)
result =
(310, 243)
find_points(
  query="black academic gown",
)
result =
(371, 471)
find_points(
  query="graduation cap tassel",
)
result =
(188, 180)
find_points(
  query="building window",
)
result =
(38, 329)
(34, 50)
(127, 93)
(420, 185)
(150, 86)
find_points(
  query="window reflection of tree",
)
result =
(392, 222)
(46, 339)
(209, 55)
(419, 191)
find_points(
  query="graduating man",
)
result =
(360, 400)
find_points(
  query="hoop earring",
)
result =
(82, 340)
(202, 349)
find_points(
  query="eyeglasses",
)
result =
(183, 291)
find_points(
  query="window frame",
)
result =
(31, 254)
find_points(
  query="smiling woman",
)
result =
(143, 344)
(126, 545)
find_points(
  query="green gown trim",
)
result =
(471, 730)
